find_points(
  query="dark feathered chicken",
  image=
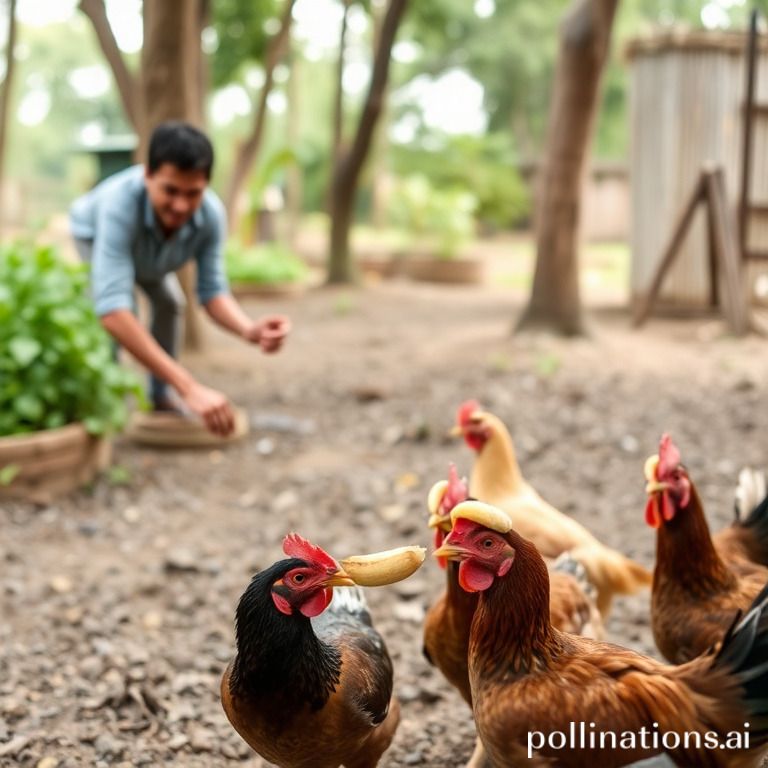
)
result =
(311, 684)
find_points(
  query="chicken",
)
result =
(448, 621)
(748, 535)
(496, 479)
(311, 684)
(700, 581)
(532, 684)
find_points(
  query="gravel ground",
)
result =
(117, 602)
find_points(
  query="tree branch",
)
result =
(248, 150)
(126, 82)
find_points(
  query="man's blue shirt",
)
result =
(129, 245)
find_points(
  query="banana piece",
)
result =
(386, 567)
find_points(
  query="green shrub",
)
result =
(486, 166)
(264, 264)
(56, 361)
(441, 220)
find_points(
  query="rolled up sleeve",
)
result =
(112, 269)
(211, 276)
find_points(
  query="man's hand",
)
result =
(268, 332)
(213, 407)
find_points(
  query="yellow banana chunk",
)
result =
(387, 567)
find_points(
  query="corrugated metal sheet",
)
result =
(686, 112)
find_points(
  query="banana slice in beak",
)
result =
(386, 567)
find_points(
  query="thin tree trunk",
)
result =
(5, 91)
(249, 149)
(584, 42)
(172, 90)
(127, 84)
(293, 176)
(348, 166)
(338, 102)
(379, 170)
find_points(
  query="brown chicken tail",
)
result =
(612, 574)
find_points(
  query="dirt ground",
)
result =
(117, 603)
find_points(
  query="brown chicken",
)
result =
(532, 684)
(311, 684)
(700, 581)
(448, 621)
(496, 479)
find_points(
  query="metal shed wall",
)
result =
(686, 111)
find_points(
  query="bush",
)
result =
(56, 361)
(264, 264)
(486, 166)
(442, 220)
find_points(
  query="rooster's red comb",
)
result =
(296, 546)
(456, 492)
(669, 456)
(466, 409)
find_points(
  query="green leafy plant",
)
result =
(441, 220)
(264, 264)
(56, 361)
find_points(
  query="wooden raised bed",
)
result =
(52, 462)
(462, 270)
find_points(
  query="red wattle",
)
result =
(439, 537)
(652, 516)
(474, 578)
(316, 603)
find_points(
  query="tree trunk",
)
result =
(338, 102)
(379, 170)
(5, 91)
(172, 90)
(347, 167)
(584, 41)
(293, 175)
(249, 149)
(127, 85)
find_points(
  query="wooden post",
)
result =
(683, 223)
(748, 115)
(725, 262)
(727, 247)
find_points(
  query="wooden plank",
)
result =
(734, 292)
(756, 256)
(668, 257)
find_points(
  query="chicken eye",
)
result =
(298, 578)
(487, 543)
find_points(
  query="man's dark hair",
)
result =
(182, 145)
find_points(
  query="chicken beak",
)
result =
(654, 486)
(449, 552)
(456, 431)
(339, 579)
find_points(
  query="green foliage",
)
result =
(264, 264)
(243, 28)
(442, 220)
(267, 173)
(56, 363)
(484, 165)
